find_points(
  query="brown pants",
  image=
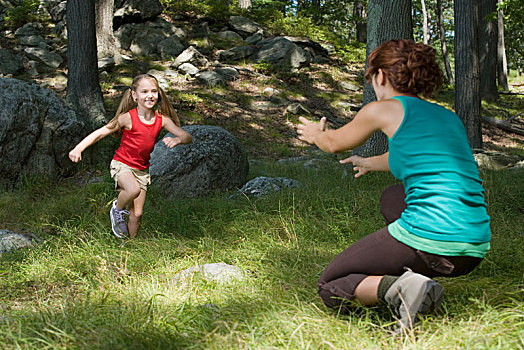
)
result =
(380, 254)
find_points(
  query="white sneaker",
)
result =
(118, 221)
(413, 294)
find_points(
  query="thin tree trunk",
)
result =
(244, 4)
(83, 89)
(105, 39)
(386, 20)
(467, 86)
(425, 30)
(442, 30)
(502, 64)
(488, 50)
(359, 13)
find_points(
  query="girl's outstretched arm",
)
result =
(181, 136)
(76, 153)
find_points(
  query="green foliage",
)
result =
(513, 31)
(25, 12)
(219, 9)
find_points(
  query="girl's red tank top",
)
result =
(138, 142)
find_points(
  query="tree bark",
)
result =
(244, 4)
(83, 89)
(442, 30)
(386, 20)
(105, 39)
(359, 13)
(425, 29)
(467, 86)
(488, 50)
(502, 64)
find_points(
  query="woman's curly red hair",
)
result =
(410, 67)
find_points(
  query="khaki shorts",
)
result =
(142, 176)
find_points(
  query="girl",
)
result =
(139, 128)
(437, 220)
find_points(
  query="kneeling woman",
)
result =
(437, 224)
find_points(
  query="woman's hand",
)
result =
(360, 164)
(308, 130)
(364, 165)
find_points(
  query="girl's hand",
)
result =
(360, 164)
(171, 142)
(75, 155)
(308, 130)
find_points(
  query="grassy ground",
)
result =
(82, 288)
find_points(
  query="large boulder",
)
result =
(131, 11)
(214, 161)
(281, 53)
(244, 26)
(37, 131)
(10, 63)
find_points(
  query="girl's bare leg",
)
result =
(130, 189)
(135, 213)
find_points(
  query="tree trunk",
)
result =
(83, 89)
(386, 20)
(502, 64)
(105, 39)
(425, 29)
(488, 50)
(467, 86)
(442, 29)
(244, 4)
(359, 13)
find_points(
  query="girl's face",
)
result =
(146, 94)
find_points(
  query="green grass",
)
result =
(82, 288)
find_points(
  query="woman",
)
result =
(437, 224)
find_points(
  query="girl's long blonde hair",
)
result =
(127, 103)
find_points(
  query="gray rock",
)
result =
(145, 40)
(10, 241)
(297, 108)
(29, 29)
(211, 78)
(350, 86)
(170, 48)
(50, 59)
(262, 186)
(236, 53)
(254, 39)
(31, 40)
(10, 63)
(281, 54)
(215, 161)
(191, 55)
(216, 272)
(58, 11)
(37, 135)
(244, 26)
(226, 39)
(228, 72)
(129, 11)
(201, 30)
(188, 68)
